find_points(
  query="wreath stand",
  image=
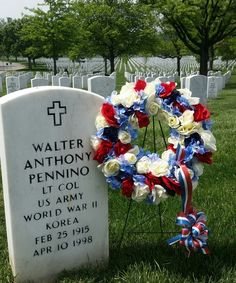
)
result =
(159, 208)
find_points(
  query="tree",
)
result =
(227, 49)
(114, 28)
(200, 24)
(49, 31)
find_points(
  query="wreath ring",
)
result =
(146, 176)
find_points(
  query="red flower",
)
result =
(152, 180)
(171, 184)
(168, 88)
(143, 119)
(121, 148)
(205, 158)
(200, 113)
(102, 151)
(140, 85)
(171, 147)
(127, 187)
(109, 113)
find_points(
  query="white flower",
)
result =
(128, 95)
(167, 154)
(134, 150)
(152, 106)
(115, 98)
(208, 139)
(175, 141)
(111, 168)
(186, 118)
(150, 89)
(163, 115)
(186, 93)
(95, 141)
(140, 192)
(173, 122)
(126, 88)
(189, 129)
(100, 122)
(143, 165)
(159, 194)
(159, 168)
(130, 158)
(124, 137)
(197, 167)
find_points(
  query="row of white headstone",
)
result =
(99, 84)
(204, 87)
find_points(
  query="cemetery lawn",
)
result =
(147, 257)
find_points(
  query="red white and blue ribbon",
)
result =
(194, 233)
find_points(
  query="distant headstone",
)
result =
(0, 84)
(101, 85)
(22, 81)
(39, 82)
(182, 82)
(56, 203)
(163, 79)
(12, 84)
(77, 82)
(85, 82)
(197, 84)
(64, 81)
(55, 80)
(211, 87)
(149, 79)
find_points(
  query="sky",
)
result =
(15, 8)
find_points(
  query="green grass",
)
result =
(147, 258)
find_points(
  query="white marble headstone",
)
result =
(211, 87)
(39, 82)
(77, 81)
(197, 84)
(55, 198)
(101, 85)
(64, 81)
(12, 84)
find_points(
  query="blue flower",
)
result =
(114, 182)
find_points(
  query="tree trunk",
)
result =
(54, 66)
(34, 63)
(204, 60)
(29, 63)
(211, 59)
(178, 64)
(105, 63)
(112, 62)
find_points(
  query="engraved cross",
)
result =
(57, 111)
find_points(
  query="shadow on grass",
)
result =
(161, 258)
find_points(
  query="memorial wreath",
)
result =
(144, 175)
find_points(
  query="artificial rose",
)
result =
(208, 139)
(102, 151)
(143, 119)
(205, 158)
(109, 113)
(175, 141)
(167, 155)
(197, 167)
(186, 118)
(150, 89)
(143, 165)
(180, 107)
(163, 116)
(159, 168)
(152, 106)
(173, 122)
(124, 137)
(127, 88)
(115, 98)
(127, 187)
(140, 85)
(188, 129)
(140, 192)
(159, 193)
(201, 113)
(100, 122)
(95, 141)
(168, 88)
(130, 158)
(120, 148)
(134, 150)
(186, 93)
(111, 168)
